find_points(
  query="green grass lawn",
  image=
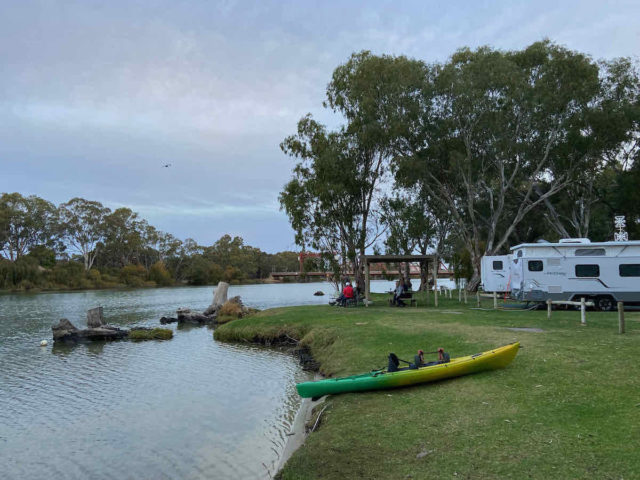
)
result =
(567, 407)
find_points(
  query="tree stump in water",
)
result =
(95, 319)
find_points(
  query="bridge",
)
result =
(376, 270)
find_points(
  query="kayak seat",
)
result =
(394, 362)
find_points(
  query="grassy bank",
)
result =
(568, 406)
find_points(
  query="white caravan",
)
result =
(604, 272)
(495, 273)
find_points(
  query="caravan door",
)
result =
(517, 276)
(495, 273)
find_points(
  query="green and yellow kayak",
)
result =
(491, 359)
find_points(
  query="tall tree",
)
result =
(496, 125)
(24, 223)
(333, 199)
(83, 226)
(124, 237)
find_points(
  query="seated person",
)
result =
(418, 360)
(347, 293)
(407, 286)
(443, 357)
(397, 294)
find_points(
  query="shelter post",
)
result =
(435, 281)
(426, 291)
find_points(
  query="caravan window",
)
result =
(589, 252)
(497, 264)
(587, 270)
(535, 265)
(629, 270)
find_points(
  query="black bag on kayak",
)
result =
(394, 362)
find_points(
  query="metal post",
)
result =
(495, 300)
(620, 317)
(478, 298)
(583, 317)
(548, 309)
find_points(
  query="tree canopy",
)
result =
(488, 139)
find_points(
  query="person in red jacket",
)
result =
(347, 293)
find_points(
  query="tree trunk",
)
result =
(474, 283)
(424, 276)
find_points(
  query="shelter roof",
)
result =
(396, 258)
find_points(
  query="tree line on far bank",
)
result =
(83, 244)
(468, 157)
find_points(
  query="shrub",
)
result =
(70, 274)
(159, 274)
(95, 277)
(133, 275)
(231, 274)
(231, 309)
(203, 272)
(13, 274)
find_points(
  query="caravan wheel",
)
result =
(606, 304)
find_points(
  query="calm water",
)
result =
(186, 408)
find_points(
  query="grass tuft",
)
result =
(153, 334)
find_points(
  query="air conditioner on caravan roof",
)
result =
(574, 240)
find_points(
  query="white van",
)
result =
(605, 272)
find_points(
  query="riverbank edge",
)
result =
(124, 287)
(287, 343)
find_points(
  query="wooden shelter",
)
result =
(367, 260)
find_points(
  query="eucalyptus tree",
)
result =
(498, 133)
(123, 241)
(415, 225)
(327, 198)
(82, 223)
(26, 222)
(614, 130)
(333, 199)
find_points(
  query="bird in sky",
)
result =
(166, 165)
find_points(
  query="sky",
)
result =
(95, 97)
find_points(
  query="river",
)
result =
(187, 408)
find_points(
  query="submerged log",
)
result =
(185, 315)
(65, 331)
(165, 320)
